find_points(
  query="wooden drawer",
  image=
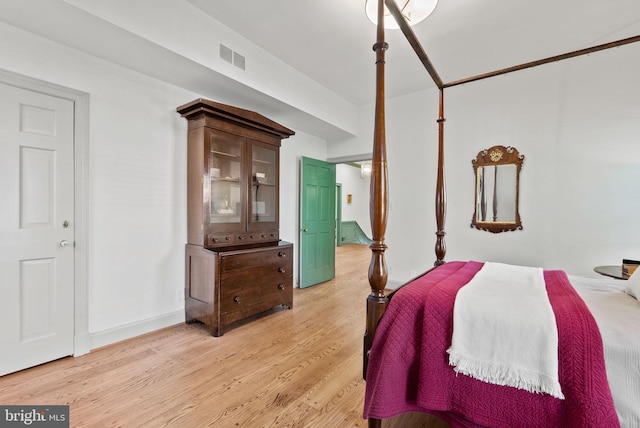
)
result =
(253, 237)
(271, 292)
(260, 275)
(253, 300)
(220, 240)
(230, 239)
(273, 256)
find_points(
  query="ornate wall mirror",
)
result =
(497, 172)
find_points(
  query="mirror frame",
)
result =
(497, 155)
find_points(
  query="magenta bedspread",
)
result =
(409, 371)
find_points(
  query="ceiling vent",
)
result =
(238, 60)
(228, 55)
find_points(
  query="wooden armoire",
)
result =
(236, 266)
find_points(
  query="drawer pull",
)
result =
(240, 237)
(281, 269)
(226, 238)
(252, 236)
(280, 286)
(281, 254)
(236, 299)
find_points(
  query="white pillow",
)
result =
(633, 284)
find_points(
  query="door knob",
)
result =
(64, 243)
(305, 230)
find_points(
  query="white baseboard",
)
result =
(117, 334)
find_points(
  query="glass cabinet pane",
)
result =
(264, 182)
(225, 172)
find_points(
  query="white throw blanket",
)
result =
(504, 330)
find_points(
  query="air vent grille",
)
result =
(238, 60)
(232, 57)
(226, 54)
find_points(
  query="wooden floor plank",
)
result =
(290, 368)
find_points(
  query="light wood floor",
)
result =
(292, 368)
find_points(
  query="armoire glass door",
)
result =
(225, 174)
(263, 204)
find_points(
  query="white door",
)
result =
(36, 228)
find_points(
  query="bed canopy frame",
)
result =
(378, 205)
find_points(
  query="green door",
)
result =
(317, 221)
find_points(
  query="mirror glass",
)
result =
(497, 175)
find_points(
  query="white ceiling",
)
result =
(331, 40)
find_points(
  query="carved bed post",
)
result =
(377, 301)
(441, 195)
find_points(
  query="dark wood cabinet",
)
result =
(236, 264)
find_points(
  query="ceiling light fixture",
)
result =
(414, 11)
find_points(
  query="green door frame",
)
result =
(338, 214)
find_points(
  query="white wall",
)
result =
(137, 190)
(358, 187)
(291, 153)
(577, 123)
(265, 73)
(137, 159)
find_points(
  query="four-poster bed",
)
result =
(598, 396)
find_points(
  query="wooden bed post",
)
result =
(441, 194)
(378, 202)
